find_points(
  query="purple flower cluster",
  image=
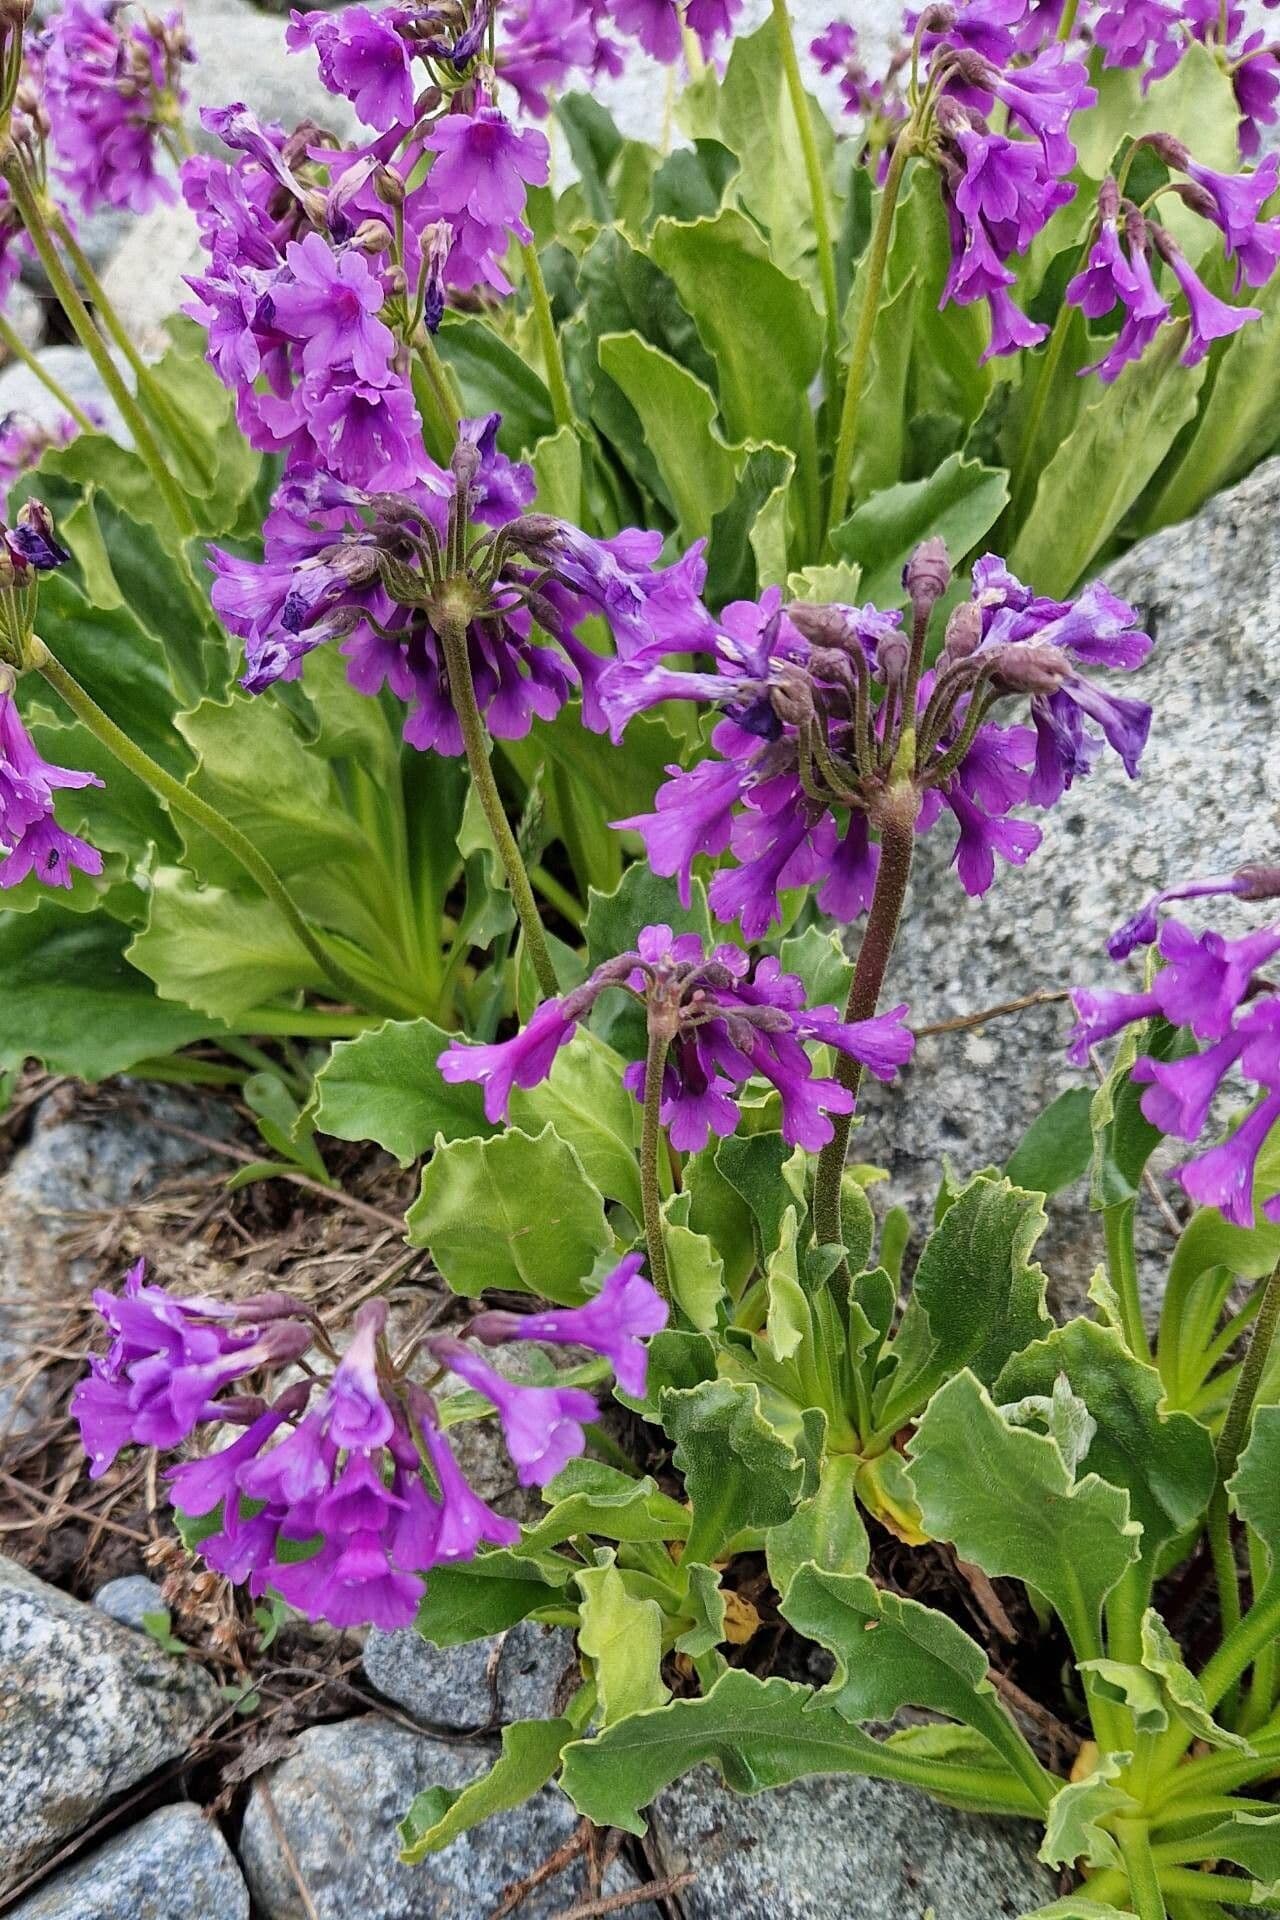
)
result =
(1118, 273)
(816, 705)
(24, 441)
(543, 44)
(112, 91)
(728, 1020)
(31, 841)
(1001, 183)
(365, 568)
(323, 1497)
(1213, 987)
(1155, 35)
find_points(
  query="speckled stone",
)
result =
(145, 281)
(87, 1709)
(174, 1865)
(23, 392)
(339, 1797)
(1208, 799)
(129, 1600)
(241, 55)
(830, 1848)
(449, 1686)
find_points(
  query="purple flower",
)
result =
(465, 1519)
(364, 57)
(356, 1412)
(1211, 319)
(331, 304)
(542, 1426)
(112, 88)
(615, 1323)
(1251, 882)
(1237, 201)
(731, 1020)
(1216, 990)
(198, 1487)
(483, 167)
(31, 841)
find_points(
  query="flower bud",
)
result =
(1031, 666)
(892, 658)
(792, 699)
(1167, 148)
(964, 631)
(1108, 200)
(1261, 883)
(927, 575)
(33, 537)
(938, 19)
(389, 187)
(821, 626)
(371, 236)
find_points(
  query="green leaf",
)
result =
(770, 1177)
(590, 1497)
(1067, 1420)
(219, 952)
(676, 413)
(976, 1297)
(1074, 1906)
(557, 464)
(1162, 1656)
(750, 316)
(513, 1211)
(1251, 1841)
(1132, 1687)
(960, 502)
(756, 1733)
(1164, 1460)
(488, 1595)
(818, 956)
(1195, 103)
(1255, 1485)
(732, 561)
(530, 1755)
(718, 1210)
(496, 379)
(595, 143)
(739, 1472)
(692, 182)
(1003, 1497)
(117, 661)
(1103, 465)
(585, 1101)
(696, 1269)
(1237, 424)
(1072, 1830)
(825, 1533)
(621, 1634)
(385, 1086)
(705, 1604)
(752, 113)
(1056, 1149)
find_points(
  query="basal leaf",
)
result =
(530, 1755)
(1072, 1832)
(1003, 1497)
(217, 951)
(739, 1472)
(621, 1634)
(1056, 1149)
(1164, 1460)
(959, 502)
(585, 1101)
(512, 1211)
(825, 1534)
(676, 413)
(1162, 1656)
(696, 1268)
(385, 1086)
(976, 1297)
(486, 1596)
(589, 1497)
(1255, 1485)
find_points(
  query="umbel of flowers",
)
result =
(343, 1490)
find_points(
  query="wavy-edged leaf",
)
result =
(740, 1473)
(385, 1086)
(959, 502)
(621, 1634)
(530, 1755)
(677, 414)
(217, 951)
(1072, 1830)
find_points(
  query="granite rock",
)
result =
(450, 1686)
(145, 281)
(129, 1600)
(174, 1865)
(339, 1797)
(87, 1709)
(241, 55)
(831, 1848)
(1208, 799)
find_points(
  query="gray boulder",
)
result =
(241, 55)
(129, 1600)
(1208, 799)
(450, 1686)
(174, 1865)
(145, 281)
(830, 1848)
(23, 392)
(339, 1798)
(87, 1709)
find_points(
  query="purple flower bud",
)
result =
(927, 575)
(355, 1410)
(964, 631)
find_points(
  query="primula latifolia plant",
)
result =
(492, 704)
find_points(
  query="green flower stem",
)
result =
(544, 319)
(452, 628)
(1067, 24)
(650, 1146)
(1188, 1883)
(1135, 1848)
(1122, 1266)
(818, 200)
(28, 205)
(1182, 1788)
(897, 845)
(181, 800)
(15, 345)
(1231, 1442)
(877, 260)
(180, 430)
(1262, 1691)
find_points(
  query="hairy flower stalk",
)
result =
(342, 1493)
